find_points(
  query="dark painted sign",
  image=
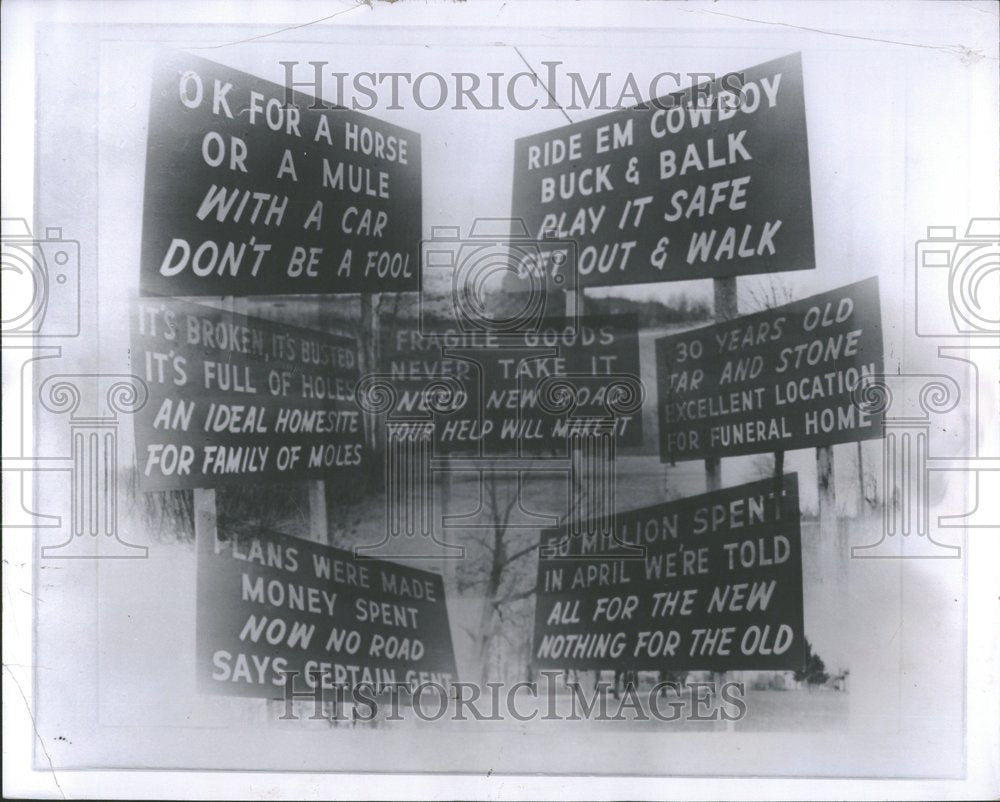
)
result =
(707, 182)
(522, 391)
(247, 196)
(239, 399)
(716, 586)
(270, 603)
(776, 380)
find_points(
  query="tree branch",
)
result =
(521, 594)
(520, 553)
(513, 500)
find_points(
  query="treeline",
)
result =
(653, 313)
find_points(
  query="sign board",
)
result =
(511, 384)
(239, 399)
(776, 380)
(718, 588)
(708, 182)
(271, 603)
(245, 196)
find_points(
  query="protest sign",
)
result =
(708, 182)
(707, 583)
(249, 195)
(239, 399)
(772, 381)
(270, 603)
(522, 391)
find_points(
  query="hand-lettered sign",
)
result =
(526, 391)
(270, 604)
(776, 380)
(716, 586)
(249, 195)
(711, 181)
(239, 399)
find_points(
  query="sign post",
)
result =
(726, 308)
(826, 496)
(861, 482)
(825, 483)
(319, 521)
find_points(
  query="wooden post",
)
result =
(205, 501)
(316, 488)
(205, 514)
(726, 307)
(831, 532)
(369, 359)
(445, 480)
(318, 524)
(318, 528)
(825, 484)
(861, 482)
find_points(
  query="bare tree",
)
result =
(868, 481)
(770, 292)
(495, 568)
(764, 466)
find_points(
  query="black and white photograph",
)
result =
(501, 400)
